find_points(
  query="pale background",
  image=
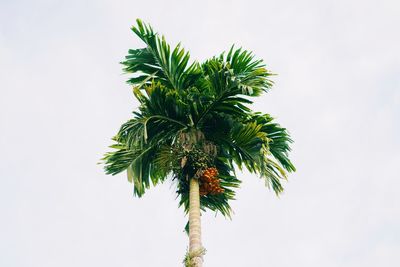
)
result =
(63, 96)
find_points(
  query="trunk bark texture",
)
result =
(195, 247)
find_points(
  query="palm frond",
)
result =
(220, 83)
(279, 144)
(251, 74)
(256, 144)
(169, 66)
(138, 142)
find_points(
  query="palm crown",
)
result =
(194, 120)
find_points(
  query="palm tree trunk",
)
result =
(195, 247)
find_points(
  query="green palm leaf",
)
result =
(169, 66)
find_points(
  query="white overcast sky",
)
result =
(63, 96)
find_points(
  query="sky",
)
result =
(63, 96)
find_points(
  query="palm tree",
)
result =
(194, 126)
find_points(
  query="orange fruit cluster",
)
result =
(209, 183)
